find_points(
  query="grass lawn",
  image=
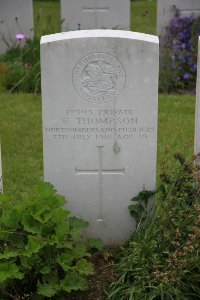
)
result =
(21, 135)
(176, 118)
(21, 140)
(143, 16)
(46, 17)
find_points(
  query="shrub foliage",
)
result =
(41, 253)
(163, 261)
(178, 53)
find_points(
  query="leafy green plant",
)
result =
(139, 210)
(41, 253)
(162, 261)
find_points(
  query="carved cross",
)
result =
(100, 171)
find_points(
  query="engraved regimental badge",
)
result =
(98, 77)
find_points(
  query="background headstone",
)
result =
(95, 14)
(99, 94)
(16, 16)
(1, 176)
(165, 11)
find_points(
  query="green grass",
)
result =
(143, 16)
(21, 135)
(46, 17)
(175, 127)
(21, 139)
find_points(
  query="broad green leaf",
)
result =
(47, 195)
(64, 245)
(138, 208)
(15, 237)
(65, 261)
(144, 195)
(51, 277)
(136, 211)
(75, 234)
(26, 262)
(9, 254)
(10, 218)
(59, 243)
(9, 271)
(47, 289)
(95, 243)
(30, 224)
(84, 267)
(67, 245)
(80, 251)
(75, 222)
(61, 230)
(62, 226)
(56, 202)
(61, 214)
(45, 270)
(74, 282)
(34, 245)
(53, 240)
(43, 215)
(48, 229)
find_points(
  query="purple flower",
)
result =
(180, 56)
(183, 45)
(186, 76)
(20, 36)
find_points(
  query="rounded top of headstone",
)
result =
(99, 33)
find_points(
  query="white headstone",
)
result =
(197, 110)
(95, 14)
(1, 176)
(165, 11)
(16, 17)
(99, 94)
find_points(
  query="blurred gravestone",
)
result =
(16, 17)
(165, 11)
(95, 14)
(99, 95)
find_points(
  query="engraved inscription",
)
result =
(98, 77)
(101, 125)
